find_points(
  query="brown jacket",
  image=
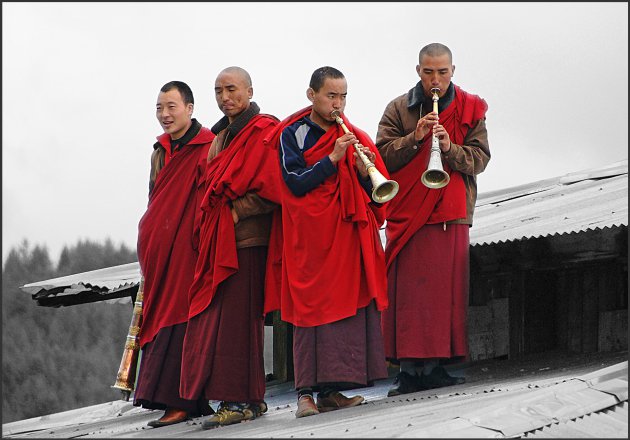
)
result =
(254, 212)
(396, 144)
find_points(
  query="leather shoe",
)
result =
(306, 407)
(336, 400)
(406, 384)
(439, 378)
(171, 416)
(228, 414)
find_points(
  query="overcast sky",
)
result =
(80, 83)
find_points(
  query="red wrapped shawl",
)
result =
(245, 165)
(326, 259)
(166, 236)
(415, 204)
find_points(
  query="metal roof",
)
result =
(612, 422)
(593, 402)
(576, 202)
(108, 283)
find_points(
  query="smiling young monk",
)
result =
(167, 253)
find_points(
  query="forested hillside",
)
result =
(56, 359)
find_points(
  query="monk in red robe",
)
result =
(427, 228)
(331, 279)
(224, 342)
(167, 253)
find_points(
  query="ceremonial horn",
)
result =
(384, 189)
(126, 377)
(435, 177)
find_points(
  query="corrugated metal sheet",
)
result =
(105, 282)
(609, 423)
(576, 202)
(561, 403)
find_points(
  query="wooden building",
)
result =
(549, 266)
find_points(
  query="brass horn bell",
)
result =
(435, 177)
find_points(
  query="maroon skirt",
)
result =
(345, 354)
(428, 286)
(158, 378)
(224, 344)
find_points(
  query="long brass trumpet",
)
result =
(383, 189)
(126, 377)
(435, 176)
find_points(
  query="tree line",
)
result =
(57, 359)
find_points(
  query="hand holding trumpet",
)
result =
(342, 144)
(383, 189)
(359, 163)
(442, 135)
(424, 125)
(429, 122)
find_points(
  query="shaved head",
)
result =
(233, 91)
(435, 50)
(240, 72)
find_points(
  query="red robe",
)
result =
(415, 204)
(330, 261)
(245, 165)
(167, 248)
